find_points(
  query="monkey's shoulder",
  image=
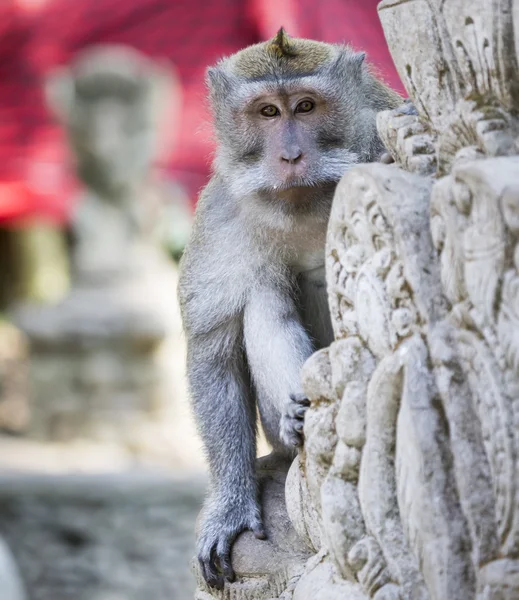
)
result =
(217, 236)
(218, 265)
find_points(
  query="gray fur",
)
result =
(252, 287)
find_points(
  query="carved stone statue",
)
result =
(407, 488)
(111, 351)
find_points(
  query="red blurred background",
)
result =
(38, 35)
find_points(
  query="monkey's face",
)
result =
(286, 135)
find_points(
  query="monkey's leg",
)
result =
(226, 416)
(277, 345)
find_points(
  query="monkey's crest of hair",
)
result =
(280, 45)
(282, 54)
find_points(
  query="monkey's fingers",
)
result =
(408, 108)
(223, 553)
(228, 571)
(209, 571)
(300, 399)
(259, 532)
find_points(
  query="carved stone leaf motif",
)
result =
(460, 68)
(343, 525)
(369, 283)
(475, 214)
(393, 294)
(408, 140)
(426, 483)
(486, 60)
(508, 319)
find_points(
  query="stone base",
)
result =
(105, 358)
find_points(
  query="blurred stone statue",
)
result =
(111, 102)
(111, 352)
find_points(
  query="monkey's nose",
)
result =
(291, 156)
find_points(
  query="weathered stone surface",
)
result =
(110, 537)
(459, 65)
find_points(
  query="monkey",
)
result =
(291, 116)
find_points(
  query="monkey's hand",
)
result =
(221, 526)
(292, 421)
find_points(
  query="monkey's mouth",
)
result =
(304, 181)
(291, 182)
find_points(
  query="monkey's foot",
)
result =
(292, 422)
(219, 530)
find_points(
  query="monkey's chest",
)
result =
(309, 264)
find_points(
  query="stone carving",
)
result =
(407, 487)
(110, 352)
(459, 66)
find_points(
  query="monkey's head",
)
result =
(294, 113)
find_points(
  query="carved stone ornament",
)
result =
(408, 484)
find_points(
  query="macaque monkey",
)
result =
(291, 117)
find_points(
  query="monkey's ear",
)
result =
(349, 64)
(59, 93)
(358, 59)
(218, 82)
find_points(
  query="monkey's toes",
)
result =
(215, 544)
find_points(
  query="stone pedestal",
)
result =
(106, 357)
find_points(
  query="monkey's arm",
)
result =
(277, 345)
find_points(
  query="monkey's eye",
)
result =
(305, 106)
(270, 111)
